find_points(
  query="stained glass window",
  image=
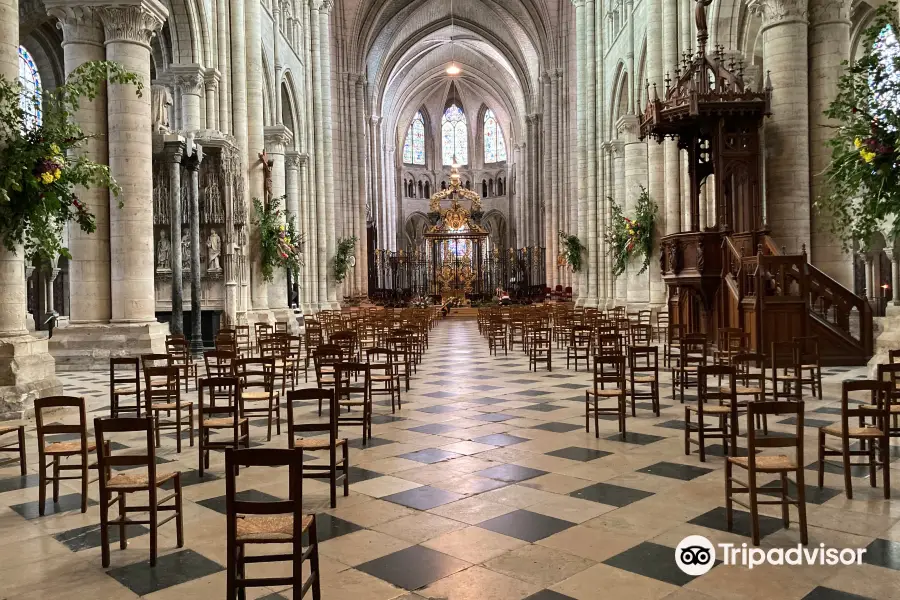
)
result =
(494, 144)
(414, 148)
(885, 92)
(455, 142)
(30, 80)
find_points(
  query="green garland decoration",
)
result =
(41, 164)
(627, 238)
(572, 250)
(280, 244)
(863, 177)
(342, 257)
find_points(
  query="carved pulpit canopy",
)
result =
(706, 86)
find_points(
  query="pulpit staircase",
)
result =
(775, 296)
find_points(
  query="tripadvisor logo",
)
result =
(696, 555)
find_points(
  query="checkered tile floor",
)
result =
(485, 486)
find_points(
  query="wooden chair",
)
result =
(276, 522)
(260, 330)
(17, 447)
(497, 337)
(167, 398)
(643, 364)
(258, 394)
(124, 385)
(779, 464)
(693, 350)
(640, 334)
(180, 351)
(226, 342)
(517, 331)
(219, 363)
(115, 488)
(312, 339)
(276, 348)
(750, 371)
(64, 448)
(609, 344)
(220, 411)
(785, 367)
(891, 374)
(672, 350)
(662, 326)
(242, 339)
(609, 370)
(713, 401)
(352, 393)
(399, 348)
(281, 327)
(810, 364)
(385, 379)
(870, 431)
(325, 361)
(348, 343)
(580, 345)
(540, 349)
(331, 442)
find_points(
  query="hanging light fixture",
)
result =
(452, 70)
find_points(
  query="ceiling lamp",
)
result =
(453, 69)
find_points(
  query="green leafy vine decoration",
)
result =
(280, 244)
(343, 258)
(627, 238)
(572, 250)
(43, 163)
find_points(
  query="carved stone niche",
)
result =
(223, 215)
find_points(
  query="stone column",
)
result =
(547, 191)
(894, 257)
(27, 371)
(129, 29)
(364, 205)
(192, 160)
(256, 144)
(655, 67)
(592, 37)
(189, 80)
(328, 224)
(174, 151)
(292, 205)
(237, 77)
(89, 275)
(211, 83)
(635, 163)
(618, 159)
(222, 31)
(277, 139)
(829, 45)
(870, 277)
(318, 219)
(784, 34)
(581, 139)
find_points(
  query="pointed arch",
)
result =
(414, 146)
(492, 138)
(454, 134)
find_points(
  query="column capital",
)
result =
(376, 119)
(578, 3)
(188, 78)
(173, 148)
(79, 24)
(193, 156)
(136, 21)
(292, 160)
(277, 138)
(823, 12)
(557, 74)
(776, 12)
(211, 78)
(628, 126)
(545, 76)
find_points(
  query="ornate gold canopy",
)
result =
(456, 217)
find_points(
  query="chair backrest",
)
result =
(808, 347)
(179, 349)
(51, 403)
(609, 369)
(226, 389)
(264, 457)
(794, 440)
(306, 395)
(891, 373)
(609, 344)
(750, 366)
(219, 363)
(256, 373)
(643, 359)
(640, 334)
(130, 372)
(784, 355)
(662, 318)
(693, 350)
(581, 336)
(379, 357)
(107, 459)
(226, 342)
(169, 392)
(273, 346)
(281, 327)
(878, 408)
(714, 392)
(155, 360)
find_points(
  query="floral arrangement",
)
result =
(40, 163)
(343, 258)
(863, 187)
(627, 238)
(572, 249)
(280, 244)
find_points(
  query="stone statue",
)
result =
(214, 245)
(161, 100)
(162, 252)
(700, 19)
(186, 248)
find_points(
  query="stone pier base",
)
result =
(83, 347)
(27, 372)
(887, 337)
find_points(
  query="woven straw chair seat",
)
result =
(125, 390)
(222, 422)
(866, 431)
(257, 396)
(771, 464)
(712, 409)
(317, 443)
(274, 528)
(742, 390)
(169, 405)
(606, 393)
(8, 429)
(645, 378)
(137, 480)
(73, 447)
